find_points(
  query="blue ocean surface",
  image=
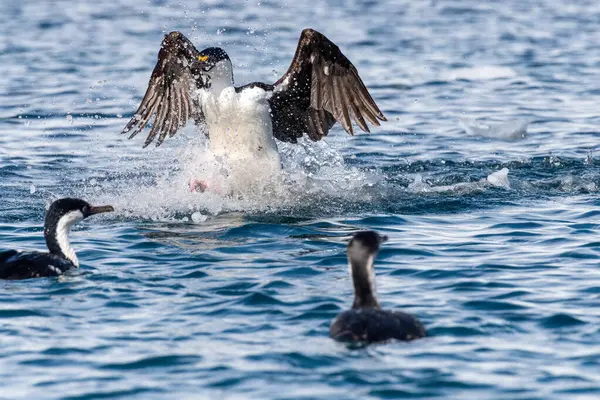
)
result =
(484, 178)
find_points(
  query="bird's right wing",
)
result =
(170, 93)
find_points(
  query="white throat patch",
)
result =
(359, 255)
(62, 234)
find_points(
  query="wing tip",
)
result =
(308, 32)
(132, 135)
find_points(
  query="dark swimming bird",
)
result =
(62, 214)
(366, 321)
(321, 87)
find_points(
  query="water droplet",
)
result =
(197, 217)
(32, 189)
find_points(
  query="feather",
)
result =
(169, 94)
(326, 89)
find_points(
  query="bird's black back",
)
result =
(375, 325)
(25, 265)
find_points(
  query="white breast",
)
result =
(239, 124)
(241, 134)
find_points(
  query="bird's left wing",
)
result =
(170, 91)
(320, 87)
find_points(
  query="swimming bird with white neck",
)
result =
(60, 217)
(366, 321)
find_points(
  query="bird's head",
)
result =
(63, 214)
(365, 245)
(214, 64)
(210, 58)
(73, 210)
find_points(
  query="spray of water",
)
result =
(158, 187)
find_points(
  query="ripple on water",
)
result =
(561, 320)
(154, 362)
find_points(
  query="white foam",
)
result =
(571, 183)
(311, 171)
(418, 186)
(509, 130)
(499, 178)
(198, 217)
(496, 179)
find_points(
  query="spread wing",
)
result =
(320, 87)
(169, 93)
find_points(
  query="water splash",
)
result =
(158, 188)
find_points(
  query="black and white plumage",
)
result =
(366, 321)
(320, 87)
(61, 215)
(170, 91)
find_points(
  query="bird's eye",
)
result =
(85, 209)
